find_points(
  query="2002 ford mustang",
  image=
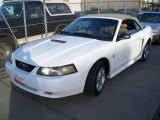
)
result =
(81, 57)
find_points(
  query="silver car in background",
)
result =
(151, 19)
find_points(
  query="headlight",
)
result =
(57, 71)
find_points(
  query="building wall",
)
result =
(75, 5)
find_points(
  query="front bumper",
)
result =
(51, 87)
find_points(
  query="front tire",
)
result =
(96, 79)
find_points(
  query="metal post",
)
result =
(45, 19)
(148, 5)
(159, 6)
(140, 6)
(124, 6)
(25, 23)
(98, 7)
(84, 3)
(108, 7)
(153, 5)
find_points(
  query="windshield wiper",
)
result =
(86, 35)
(82, 34)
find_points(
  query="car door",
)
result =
(128, 49)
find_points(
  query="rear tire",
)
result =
(7, 46)
(145, 53)
(96, 79)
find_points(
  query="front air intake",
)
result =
(24, 66)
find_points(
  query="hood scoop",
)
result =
(59, 41)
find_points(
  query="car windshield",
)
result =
(11, 10)
(149, 17)
(96, 28)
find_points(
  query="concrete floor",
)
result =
(134, 94)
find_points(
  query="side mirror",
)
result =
(34, 16)
(124, 36)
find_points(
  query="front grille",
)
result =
(24, 66)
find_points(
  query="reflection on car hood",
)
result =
(153, 25)
(56, 50)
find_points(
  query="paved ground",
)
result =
(134, 94)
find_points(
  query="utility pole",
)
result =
(45, 19)
(141, 5)
(148, 3)
(124, 6)
(152, 5)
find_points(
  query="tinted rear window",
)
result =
(58, 8)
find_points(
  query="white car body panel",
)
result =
(80, 51)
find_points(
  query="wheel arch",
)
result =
(105, 61)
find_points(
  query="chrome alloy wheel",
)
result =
(101, 78)
(146, 51)
(5, 51)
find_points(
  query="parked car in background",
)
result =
(12, 30)
(152, 19)
(82, 57)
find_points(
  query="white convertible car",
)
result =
(82, 57)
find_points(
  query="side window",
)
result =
(131, 28)
(34, 10)
(137, 26)
(58, 8)
(11, 10)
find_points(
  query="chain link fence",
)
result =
(25, 21)
(106, 6)
(118, 6)
(32, 18)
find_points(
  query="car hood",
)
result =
(153, 25)
(56, 50)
